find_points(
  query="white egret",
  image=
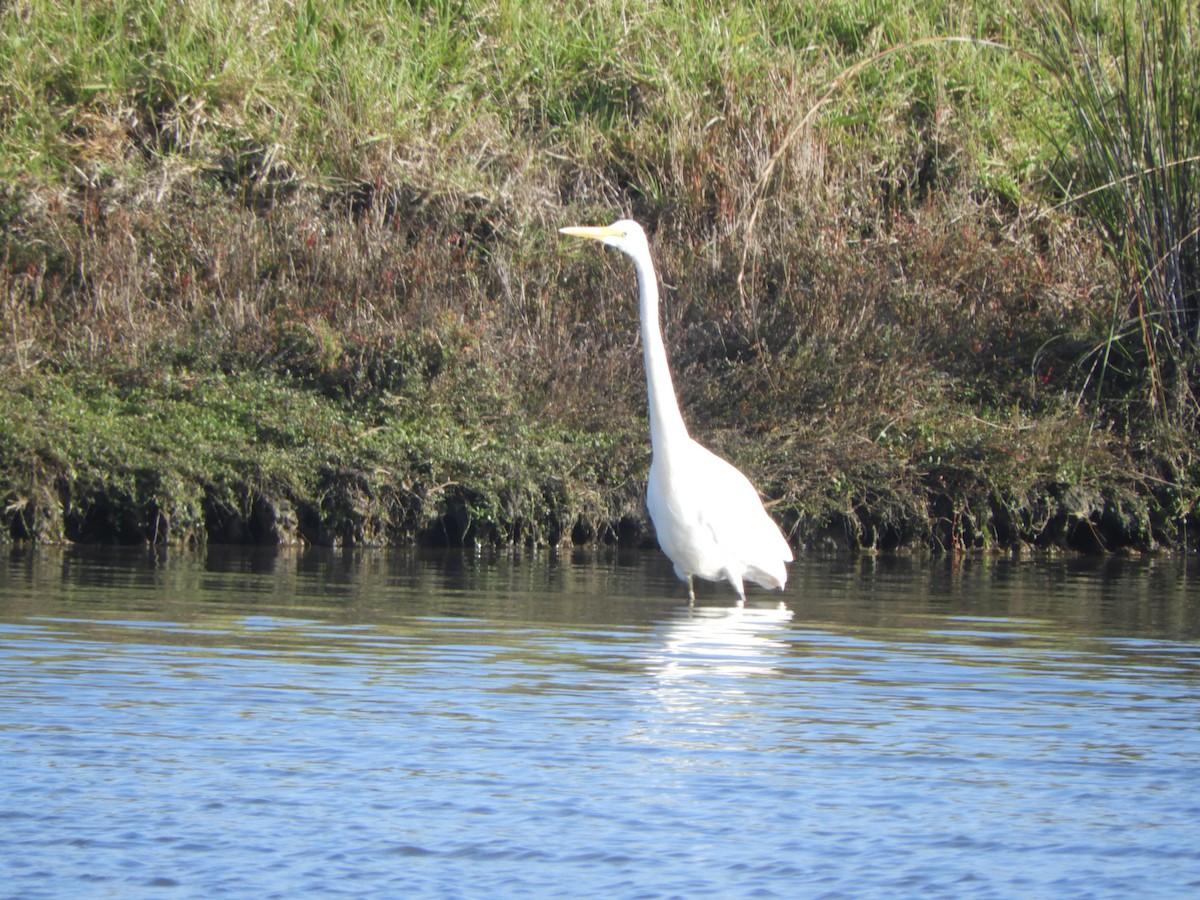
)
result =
(708, 516)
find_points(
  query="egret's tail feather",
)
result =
(776, 579)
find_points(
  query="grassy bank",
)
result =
(290, 271)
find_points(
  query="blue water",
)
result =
(228, 724)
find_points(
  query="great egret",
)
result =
(708, 516)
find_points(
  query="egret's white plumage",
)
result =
(708, 516)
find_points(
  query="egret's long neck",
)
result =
(666, 422)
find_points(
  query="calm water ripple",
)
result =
(232, 724)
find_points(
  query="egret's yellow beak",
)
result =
(595, 232)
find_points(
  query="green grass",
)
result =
(186, 444)
(346, 91)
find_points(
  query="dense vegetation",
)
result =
(291, 271)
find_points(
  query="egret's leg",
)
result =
(691, 591)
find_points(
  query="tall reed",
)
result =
(1129, 76)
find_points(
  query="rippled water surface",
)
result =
(416, 724)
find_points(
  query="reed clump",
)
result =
(1130, 161)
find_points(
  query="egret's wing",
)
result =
(732, 512)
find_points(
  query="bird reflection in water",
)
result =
(706, 642)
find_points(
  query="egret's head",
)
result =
(627, 236)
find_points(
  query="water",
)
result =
(232, 724)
